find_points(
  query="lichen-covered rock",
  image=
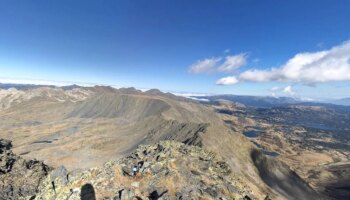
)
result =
(59, 174)
(166, 170)
(19, 178)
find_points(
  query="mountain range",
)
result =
(269, 102)
(85, 129)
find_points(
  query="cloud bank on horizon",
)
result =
(308, 68)
(7, 80)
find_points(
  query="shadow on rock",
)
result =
(154, 195)
(87, 192)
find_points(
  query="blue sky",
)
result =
(162, 44)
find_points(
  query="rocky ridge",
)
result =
(19, 179)
(168, 170)
(11, 97)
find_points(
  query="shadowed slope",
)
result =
(111, 105)
(279, 177)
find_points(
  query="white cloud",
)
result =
(307, 68)
(288, 90)
(233, 62)
(189, 94)
(230, 80)
(307, 99)
(227, 51)
(204, 66)
(199, 99)
(257, 75)
(274, 89)
(218, 64)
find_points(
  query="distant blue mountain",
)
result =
(345, 101)
(32, 86)
(21, 86)
(269, 102)
(254, 101)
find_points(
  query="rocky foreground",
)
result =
(168, 170)
(19, 178)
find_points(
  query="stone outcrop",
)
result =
(19, 179)
(166, 170)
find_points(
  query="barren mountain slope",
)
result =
(106, 124)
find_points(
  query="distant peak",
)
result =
(154, 92)
(129, 90)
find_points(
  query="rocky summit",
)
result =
(166, 170)
(19, 179)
